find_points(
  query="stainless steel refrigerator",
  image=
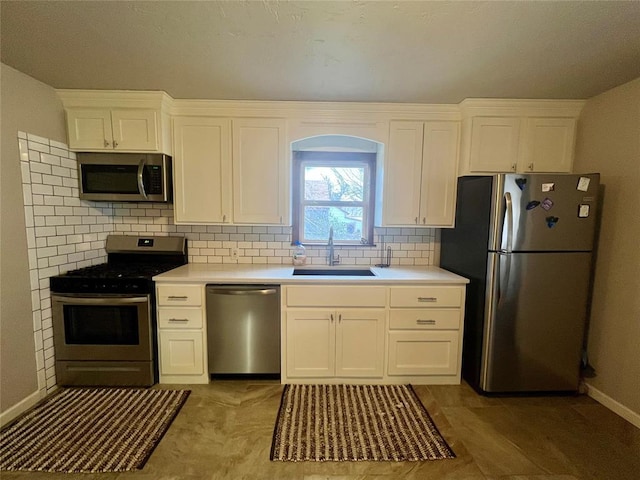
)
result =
(526, 243)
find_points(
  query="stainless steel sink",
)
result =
(331, 272)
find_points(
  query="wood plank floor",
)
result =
(224, 432)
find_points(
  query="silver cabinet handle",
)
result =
(332, 318)
(177, 297)
(416, 220)
(340, 318)
(427, 299)
(425, 322)
(182, 320)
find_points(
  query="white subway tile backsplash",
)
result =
(38, 147)
(59, 151)
(35, 138)
(50, 159)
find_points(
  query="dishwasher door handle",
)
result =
(263, 291)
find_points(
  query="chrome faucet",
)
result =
(331, 258)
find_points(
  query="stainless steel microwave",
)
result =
(125, 177)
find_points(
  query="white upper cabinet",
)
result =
(403, 174)
(420, 174)
(230, 171)
(117, 121)
(103, 130)
(518, 136)
(494, 144)
(549, 144)
(202, 170)
(260, 171)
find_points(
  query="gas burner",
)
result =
(132, 262)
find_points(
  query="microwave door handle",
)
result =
(140, 182)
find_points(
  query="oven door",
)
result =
(102, 327)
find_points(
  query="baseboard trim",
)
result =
(613, 405)
(19, 408)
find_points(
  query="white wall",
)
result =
(30, 106)
(609, 142)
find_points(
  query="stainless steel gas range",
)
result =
(104, 322)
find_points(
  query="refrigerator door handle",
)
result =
(503, 276)
(509, 207)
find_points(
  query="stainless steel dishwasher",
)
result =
(243, 329)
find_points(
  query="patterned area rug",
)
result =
(355, 423)
(90, 430)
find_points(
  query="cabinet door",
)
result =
(423, 353)
(494, 144)
(439, 173)
(403, 171)
(181, 352)
(310, 343)
(549, 145)
(135, 129)
(360, 343)
(260, 173)
(202, 170)
(89, 129)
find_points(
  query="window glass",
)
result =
(333, 189)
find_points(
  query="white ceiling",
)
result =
(402, 51)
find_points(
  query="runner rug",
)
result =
(355, 423)
(90, 430)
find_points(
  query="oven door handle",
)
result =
(98, 300)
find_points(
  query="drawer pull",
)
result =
(332, 318)
(425, 322)
(427, 299)
(177, 297)
(179, 320)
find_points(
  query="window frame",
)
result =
(304, 158)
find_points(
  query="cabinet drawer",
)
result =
(423, 353)
(335, 296)
(424, 319)
(179, 318)
(426, 296)
(184, 295)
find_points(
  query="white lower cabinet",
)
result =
(425, 332)
(182, 352)
(372, 334)
(335, 343)
(423, 353)
(182, 348)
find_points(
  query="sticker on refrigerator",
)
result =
(532, 204)
(551, 221)
(548, 187)
(583, 211)
(583, 184)
(547, 204)
(521, 182)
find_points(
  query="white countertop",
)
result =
(283, 274)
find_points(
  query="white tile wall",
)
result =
(64, 233)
